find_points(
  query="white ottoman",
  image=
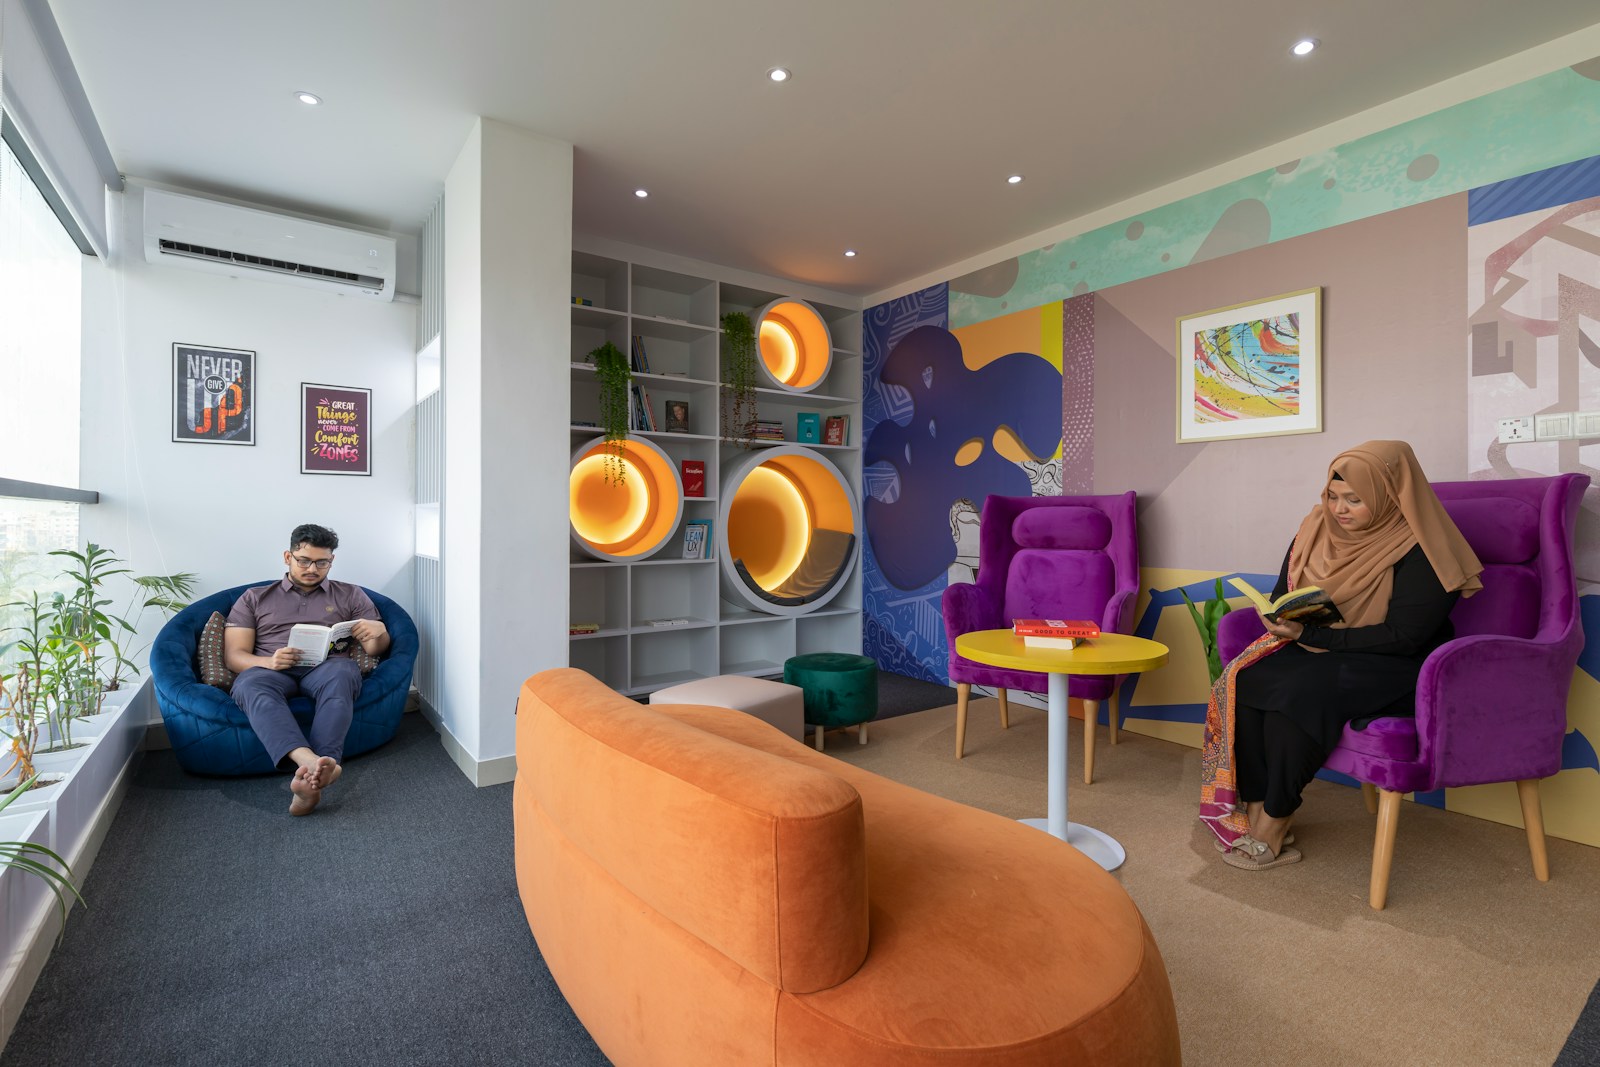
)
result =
(781, 705)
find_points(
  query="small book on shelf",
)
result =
(694, 476)
(315, 642)
(697, 539)
(1054, 633)
(575, 628)
(1310, 604)
(836, 430)
(808, 427)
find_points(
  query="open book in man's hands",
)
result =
(315, 641)
(1309, 605)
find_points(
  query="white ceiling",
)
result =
(895, 136)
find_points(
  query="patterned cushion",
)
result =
(210, 665)
(353, 649)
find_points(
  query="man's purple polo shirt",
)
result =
(272, 610)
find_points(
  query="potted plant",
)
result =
(738, 376)
(1206, 617)
(616, 380)
(33, 858)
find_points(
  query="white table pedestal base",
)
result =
(1098, 846)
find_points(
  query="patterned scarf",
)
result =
(1220, 808)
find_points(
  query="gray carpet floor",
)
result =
(385, 928)
(1583, 1045)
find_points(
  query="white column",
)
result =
(507, 327)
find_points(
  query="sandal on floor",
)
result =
(1288, 839)
(1248, 854)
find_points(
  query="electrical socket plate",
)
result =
(1515, 430)
(1554, 427)
(1588, 424)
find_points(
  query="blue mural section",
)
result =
(1553, 187)
(904, 631)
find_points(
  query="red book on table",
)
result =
(1078, 628)
(694, 477)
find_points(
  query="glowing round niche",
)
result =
(628, 521)
(787, 535)
(796, 348)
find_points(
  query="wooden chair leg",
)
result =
(1091, 711)
(963, 693)
(819, 739)
(1111, 709)
(1369, 793)
(1005, 712)
(1533, 819)
(1383, 847)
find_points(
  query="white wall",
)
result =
(508, 321)
(225, 512)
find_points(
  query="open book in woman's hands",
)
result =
(315, 641)
(1309, 605)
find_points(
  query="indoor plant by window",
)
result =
(738, 376)
(30, 857)
(616, 378)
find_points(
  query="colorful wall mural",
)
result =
(1495, 197)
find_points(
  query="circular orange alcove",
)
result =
(787, 536)
(627, 521)
(796, 348)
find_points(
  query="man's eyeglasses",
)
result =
(319, 564)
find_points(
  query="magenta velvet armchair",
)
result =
(1492, 703)
(1046, 557)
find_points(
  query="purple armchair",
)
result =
(1492, 703)
(1046, 557)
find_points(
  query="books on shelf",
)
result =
(836, 430)
(639, 361)
(583, 301)
(764, 430)
(694, 476)
(808, 427)
(576, 628)
(1309, 604)
(668, 622)
(697, 539)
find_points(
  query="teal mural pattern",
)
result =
(1485, 140)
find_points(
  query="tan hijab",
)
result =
(1356, 567)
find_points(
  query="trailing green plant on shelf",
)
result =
(738, 376)
(616, 379)
(1206, 617)
(39, 861)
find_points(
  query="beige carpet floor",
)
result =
(1472, 962)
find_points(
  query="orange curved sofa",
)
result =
(709, 891)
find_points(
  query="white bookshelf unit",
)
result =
(678, 316)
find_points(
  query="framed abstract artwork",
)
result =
(1251, 370)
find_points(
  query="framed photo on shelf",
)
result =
(213, 395)
(1251, 370)
(677, 416)
(697, 539)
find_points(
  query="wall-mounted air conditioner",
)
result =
(187, 231)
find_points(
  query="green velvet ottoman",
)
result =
(840, 690)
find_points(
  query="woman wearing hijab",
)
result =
(1382, 546)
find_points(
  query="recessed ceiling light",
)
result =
(1014, 179)
(779, 74)
(850, 253)
(308, 98)
(1305, 46)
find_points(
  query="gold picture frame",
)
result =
(1252, 369)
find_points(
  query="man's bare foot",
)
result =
(324, 772)
(306, 793)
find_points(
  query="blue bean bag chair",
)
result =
(210, 735)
